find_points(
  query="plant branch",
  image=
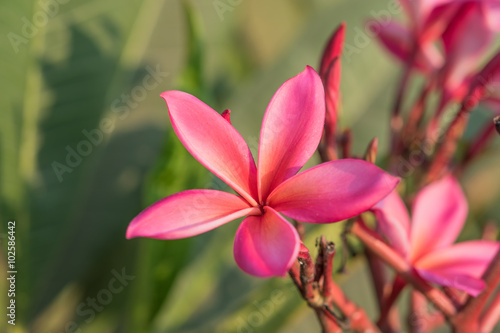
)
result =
(388, 302)
(415, 117)
(467, 320)
(396, 119)
(383, 288)
(491, 316)
(316, 285)
(420, 320)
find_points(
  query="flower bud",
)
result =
(227, 115)
(371, 151)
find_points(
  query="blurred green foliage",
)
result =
(83, 70)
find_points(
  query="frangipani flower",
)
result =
(465, 40)
(427, 20)
(466, 28)
(438, 215)
(266, 244)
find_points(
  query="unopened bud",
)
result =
(227, 115)
(371, 151)
(497, 123)
(333, 49)
(303, 251)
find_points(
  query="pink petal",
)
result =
(471, 258)
(399, 41)
(394, 222)
(409, 6)
(187, 214)
(430, 58)
(465, 40)
(437, 21)
(492, 13)
(439, 213)
(333, 49)
(213, 142)
(266, 245)
(467, 283)
(291, 129)
(425, 7)
(332, 191)
(396, 38)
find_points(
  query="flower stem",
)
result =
(420, 320)
(321, 292)
(480, 142)
(383, 289)
(396, 119)
(448, 146)
(467, 320)
(388, 303)
(415, 117)
(491, 316)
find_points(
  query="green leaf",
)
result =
(70, 181)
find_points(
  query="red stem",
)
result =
(294, 273)
(491, 316)
(388, 303)
(357, 318)
(299, 275)
(382, 288)
(318, 297)
(420, 320)
(449, 145)
(467, 320)
(415, 116)
(396, 119)
(480, 142)
(307, 275)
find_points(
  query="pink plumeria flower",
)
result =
(438, 216)
(427, 20)
(465, 26)
(266, 244)
(466, 40)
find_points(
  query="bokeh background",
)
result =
(75, 71)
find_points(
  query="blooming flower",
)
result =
(438, 215)
(427, 20)
(466, 40)
(466, 28)
(266, 244)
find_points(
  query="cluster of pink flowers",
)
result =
(445, 41)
